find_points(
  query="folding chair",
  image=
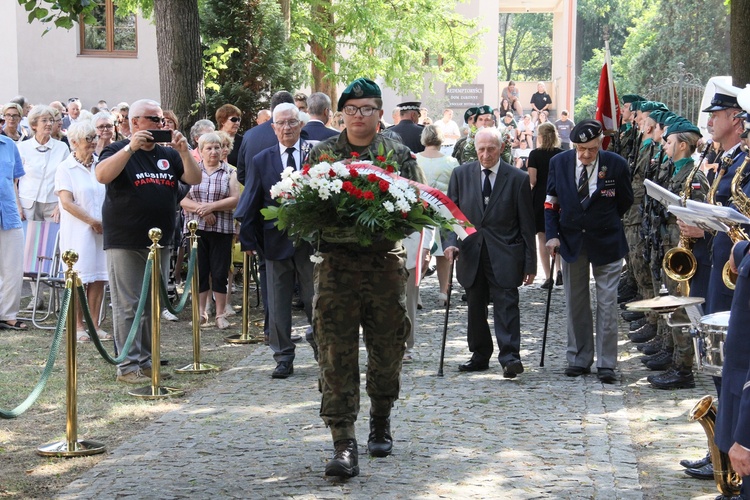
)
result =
(42, 265)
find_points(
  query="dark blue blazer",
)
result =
(256, 233)
(411, 135)
(733, 420)
(254, 141)
(317, 131)
(596, 224)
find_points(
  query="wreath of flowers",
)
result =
(350, 202)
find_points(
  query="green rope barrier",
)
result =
(133, 329)
(59, 330)
(188, 279)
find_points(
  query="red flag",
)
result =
(607, 95)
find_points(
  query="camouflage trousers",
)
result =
(347, 296)
(639, 266)
(676, 339)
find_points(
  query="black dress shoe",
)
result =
(651, 347)
(474, 366)
(577, 371)
(512, 369)
(660, 362)
(705, 472)
(673, 379)
(283, 370)
(643, 334)
(606, 375)
(632, 315)
(548, 283)
(634, 325)
(696, 464)
(296, 338)
(345, 462)
(380, 442)
(558, 279)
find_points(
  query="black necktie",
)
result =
(486, 187)
(290, 158)
(583, 184)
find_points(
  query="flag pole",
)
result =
(610, 83)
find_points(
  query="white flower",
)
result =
(316, 259)
(335, 185)
(403, 205)
(389, 207)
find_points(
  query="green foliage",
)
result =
(65, 13)
(393, 40)
(648, 38)
(245, 56)
(525, 47)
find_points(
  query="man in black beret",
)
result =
(408, 127)
(469, 117)
(365, 286)
(588, 191)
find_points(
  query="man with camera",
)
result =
(141, 177)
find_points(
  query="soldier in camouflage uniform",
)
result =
(458, 148)
(633, 219)
(360, 286)
(689, 183)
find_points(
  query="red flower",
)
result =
(384, 185)
(390, 169)
(355, 154)
(404, 215)
(369, 195)
(332, 173)
(358, 193)
(380, 158)
(372, 178)
(326, 158)
(347, 186)
(353, 172)
(306, 170)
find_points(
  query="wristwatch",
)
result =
(127, 148)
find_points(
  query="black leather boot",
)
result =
(345, 462)
(673, 379)
(380, 442)
(660, 362)
(643, 334)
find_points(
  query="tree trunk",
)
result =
(286, 13)
(739, 27)
(180, 59)
(322, 67)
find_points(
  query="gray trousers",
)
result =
(126, 268)
(580, 321)
(280, 276)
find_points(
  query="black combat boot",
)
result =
(634, 325)
(345, 462)
(673, 379)
(643, 334)
(380, 442)
(651, 347)
(632, 315)
(660, 362)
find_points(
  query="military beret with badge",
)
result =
(585, 131)
(360, 88)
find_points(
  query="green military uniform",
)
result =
(364, 286)
(678, 339)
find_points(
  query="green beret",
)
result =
(672, 118)
(636, 105)
(469, 113)
(484, 110)
(359, 89)
(631, 98)
(661, 117)
(647, 106)
(682, 125)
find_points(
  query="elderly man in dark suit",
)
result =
(408, 128)
(319, 109)
(588, 191)
(493, 262)
(284, 261)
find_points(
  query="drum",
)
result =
(709, 342)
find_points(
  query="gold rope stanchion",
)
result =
(155, 391)
(245, 337)
(196, 366)
(72, 446)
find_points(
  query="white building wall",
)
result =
(50, 68)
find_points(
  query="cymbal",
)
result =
(664, 303)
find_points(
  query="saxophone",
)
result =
(736, 233)
(727, 480)
(726, 162)
(679, 263)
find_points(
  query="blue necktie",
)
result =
(486, 187)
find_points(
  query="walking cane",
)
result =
(546, 313)
(445, 324)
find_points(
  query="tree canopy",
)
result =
(525, 47)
